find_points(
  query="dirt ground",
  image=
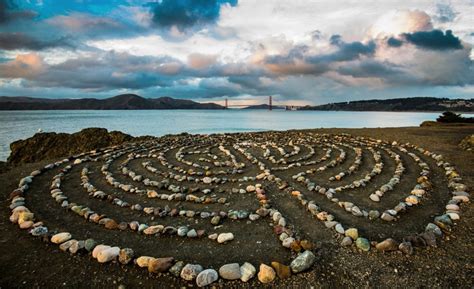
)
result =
(27, 262)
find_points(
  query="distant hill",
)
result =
(123, 101)
(263, 106)
(400, 104)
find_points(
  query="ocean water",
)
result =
(16, 125)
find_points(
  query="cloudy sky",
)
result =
(300, 52)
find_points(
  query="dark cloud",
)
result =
(349, 51)
(370, 68)
(9, 11)
(12, 41)
(434, 39)
(300, 61)
(394, 42)
(187, 13)
(445, 13)
(335, 39)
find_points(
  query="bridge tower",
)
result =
(226, 103)
(270, 102)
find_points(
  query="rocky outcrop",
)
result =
(45, 146)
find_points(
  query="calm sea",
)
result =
(16, 125)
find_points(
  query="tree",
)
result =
(450, 117)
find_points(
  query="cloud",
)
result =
(394, 42)
(13, 41)
(23, 66)
(302, 59)
(200, 61)
(400, 21)
(445, 13)
(434, 39)
(9, 12)
(185, 14)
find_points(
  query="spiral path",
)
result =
(204, 207)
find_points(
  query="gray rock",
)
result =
(182, 231)
(406, 248)
(39, 231)
(230, 271)
(433, 228)
(303, 262)
(347, 241)
(247, 272)
(192, 234)
(206, 277)
(90, 244)
(190, 271)
(176, 268)
(340, 229)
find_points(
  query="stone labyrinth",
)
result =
(242, 205)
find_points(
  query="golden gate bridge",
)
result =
(270, 105)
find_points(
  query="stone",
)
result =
(266, 274)
(306, 245)
(247, 272)
(387, 217)
(414, 200)
(76, 246)
(152, 230)
(374, 214)
(66, 245)
(363, 244)
(190, 271)
(39, 231)
(60, 238)
(225, 237)
(353, 233)
(281, 270)
(287, 242)
(346, 241)
(206, 277)
(143, 261)
(125, 256)
(25, 217)
(90, 244)
(303, 262)
(230, 271)
(250, 189)
(161, 265)
(26, 224)
(111, 224)
(182, 231)
(108, 254)
(433, 228)
(406, 248)
(340, 229)
(215, 220)
(387, 245)
(374, 198)
(192, 234)
(176, 268)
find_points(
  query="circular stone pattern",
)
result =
(241, 206)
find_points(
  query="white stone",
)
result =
(225, 237)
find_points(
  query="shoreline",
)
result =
(241, 109)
